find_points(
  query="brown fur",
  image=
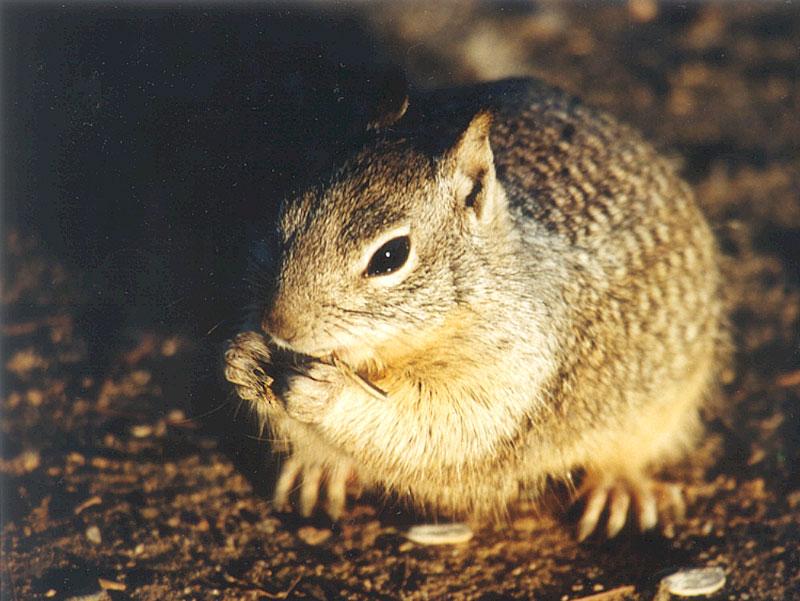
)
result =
(562, 310)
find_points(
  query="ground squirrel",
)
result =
(498, 287)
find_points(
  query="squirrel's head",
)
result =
(384, 250)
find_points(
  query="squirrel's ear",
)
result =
(474, 167)
(391, 102)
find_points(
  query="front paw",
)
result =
(310, 389)
(247, 361)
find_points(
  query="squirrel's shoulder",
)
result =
(567, 165)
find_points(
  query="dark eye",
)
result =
(389, 257)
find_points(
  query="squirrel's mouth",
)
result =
(331, 357)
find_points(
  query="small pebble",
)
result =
(30, 460)
(694, 582)
(111, 585)
(313, 536)
(176, 416)
(439, 534)
(526, 524)
(141, 431)
(93, 535)
(643, 10)
(170, 346)
(76, 458)
(100, 463)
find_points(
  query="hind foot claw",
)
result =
(648, 502)
(312, 479)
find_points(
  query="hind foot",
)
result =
(313, 480)
(646, 501)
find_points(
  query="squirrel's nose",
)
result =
(276, 323)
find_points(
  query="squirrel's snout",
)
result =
(277, 324)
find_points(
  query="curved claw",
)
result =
(309, 489)
(649, 503)
(617, 511)
(595, 503)
(646, 509)
(290, 471)
(314, 480)
(337, 491)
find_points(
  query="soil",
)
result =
(126, 474)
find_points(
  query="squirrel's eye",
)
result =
(389, 257)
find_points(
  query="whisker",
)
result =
(373, 314)
(262, 438)
(206, 414)
(215, 326)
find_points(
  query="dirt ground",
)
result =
(122, 478)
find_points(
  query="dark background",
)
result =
(142, 141)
